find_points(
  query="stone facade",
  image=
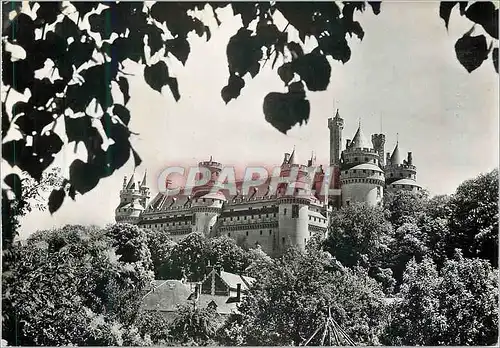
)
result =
(274, 219)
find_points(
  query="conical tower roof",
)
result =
(359, 141)
(131, 183)
(396, 157)
(144, 180)
(293, 157)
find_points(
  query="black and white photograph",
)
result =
(270, 173)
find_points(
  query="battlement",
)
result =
(401, 166)
(211, 164)
(360, 150)
(335, 122)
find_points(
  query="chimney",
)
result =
(410, 158)
(348, 142)
(125, 181)
(388, 158)
(238, 292)
(237, 298)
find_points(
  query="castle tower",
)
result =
(378, 141)
(361, 178)
(293, 227)
(133, 200)
(336, 125)
(400, 173)
(207, 201)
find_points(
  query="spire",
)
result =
(337, 114)
(359, 140)
(292, 159)
(131, 183)
(396, 157)
(144, 181)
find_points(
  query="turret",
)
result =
(378, 141)
(133, 200)
(400, 172)
(336, 125)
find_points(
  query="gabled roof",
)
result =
(232, 280)
(396, 157)
(359, 141)
(220, 303)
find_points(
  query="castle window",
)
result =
(229, 234)
(295, 211)
(270, 232)
(392, 175)
(283, 240)
(274, 214)
(246, 233)
(366, 159)
(203, 200)
(364, 171)
(346, 172)
(284, 211)
(355, 159)
(261, 232)
(401, 174)
(354, 171)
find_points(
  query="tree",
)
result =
(160, 245)
(290, 299)
(360, 236)
(474, 218)
(193, 256)
(454, 306)
(58, 291)
(26, 194)
(195, 326)
(409, 243)
(405, 206)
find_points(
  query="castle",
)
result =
(275, 219)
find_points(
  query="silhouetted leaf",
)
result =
(19, 74)
(295, 49)
(47, 12)
(286, 73)
(174, 88)
(123, 83)
(335, 46)
(375, 6)
(137, 158)
(494, 56)
(314, 69)
(22, 31)
(283, 111)
(83, 176)
(43, 90)
(243, 52)
(233, 88)
(56, 199)
(179, 48)
(5, 121)
(67, 28)
(445, 8)
(485, 14)
(471, 51)
(122, 112)
(32, 120)
(15, 184)
(156, 76)
(79, 128)
(72, 192)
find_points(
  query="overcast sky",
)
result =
(403, 77)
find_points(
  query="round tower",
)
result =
(207, 201)
(400, 173)
(362, 180)
(131, 198)
(293, 206)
